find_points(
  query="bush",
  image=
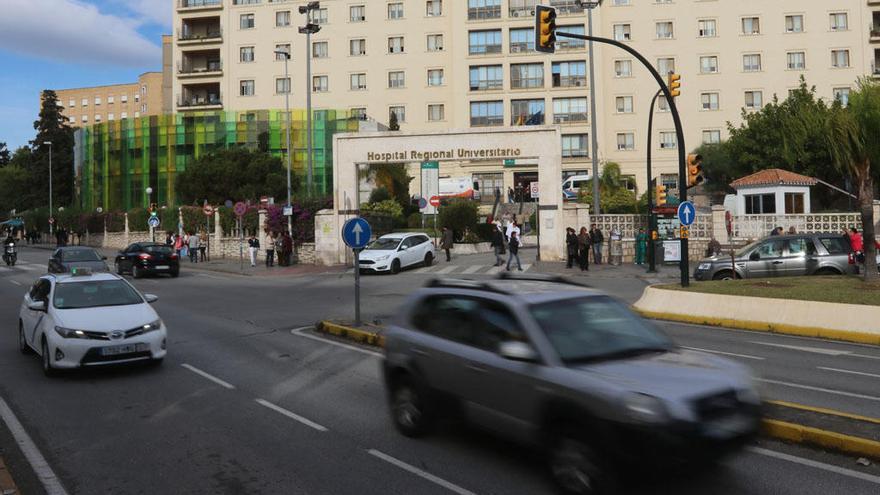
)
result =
(414, 221)
(484, 232)
(137, 220)
(115, 221)
(388, 207)
(459, 215)
(379, 195)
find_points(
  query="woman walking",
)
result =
(584, 249)
(513, 247)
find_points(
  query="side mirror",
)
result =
(755, 256)
(151, 298)
(403, 248)
(518, 351)
(37, 306)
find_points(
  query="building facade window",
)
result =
(794, 204)
(796, 60)
(484, 42)
(624, 104)
(434, 8)
(662, 104)
(752, 62)
(359, 113)
(623, 68)
(527, 112)
(839, 21)
(840, 59)
(487, 113)
(754, 99)
(841, 95)
(246, 54)
(123, 98)
(395, 10)
(575, 146)
(320, 49)
(569, 74)
(359, 82)
(665, 65)
(709, 64)
(436, 113)
(760, 204)
(246, 21)
(751, 25)
(282, 85)
(706, 28)
(486, 77)
(435, 42)
(626, 141)
(668, 140)
(711, 136)
(85, 102)
(664, 30)
(357, 47)
(396, 79)
(246, 87)
(794, 24)
(435, 77)
(282, 18)
(622, 32)
(357, 13)
(709, 101)
(318, 16)
(484, 9)
(522, 40)
(320, 84)
(399, 111)
(282, 47)
(395, 44)
(526, 76)
(563, 44)
(569, 110)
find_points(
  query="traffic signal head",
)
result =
(695, 170)
(545, 29)
(674, 83)
(660, 195)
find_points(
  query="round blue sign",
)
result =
(687, 213)
(356, 233)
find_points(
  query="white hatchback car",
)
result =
(394, 252)
(83, 319)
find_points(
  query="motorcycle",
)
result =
(9, 254)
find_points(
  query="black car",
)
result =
(147, 258)
(65, 258)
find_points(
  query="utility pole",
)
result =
(590, 5)
(652, 223)
(286, 55)
(51, 210)
(309, 29)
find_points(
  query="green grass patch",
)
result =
(833, 289)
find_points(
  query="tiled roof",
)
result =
(774, 177)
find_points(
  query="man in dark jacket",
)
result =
(597, 240)
(446, 242)
(498, 245)
(571, 245)
(513, 246)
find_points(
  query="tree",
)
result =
(4, 155)
(614, 197)
(51, 127)
(13, 180)
(851, 138)
(237, 173)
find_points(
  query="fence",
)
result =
(758, 226)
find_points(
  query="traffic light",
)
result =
(154, 210)
(673, 81)
(660, 195)
(695, 170)
(545, 29)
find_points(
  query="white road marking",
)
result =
(426, 269)
(473, 269)
(819, 389)
(496, 269)
(448, 269)
(16, 282)
(209, 376)
(817, 350)
(300, 333)
(865, 357)
(38, 463)
(872, 375)
(27, 268)
(293, 416)
(526, 267)
(818, 465)
(745, 356)
(418, 472)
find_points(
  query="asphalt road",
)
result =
(243, 404)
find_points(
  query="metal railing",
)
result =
(215, 33)
(562, 118)
(199, 101)
(214, 66)
(480, 13)
(569, 81)
(191, 4)
(487, 84)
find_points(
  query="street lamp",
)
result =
(590, 5)
(51, 211)
(149, 192)
(286, 55)
(309, 29)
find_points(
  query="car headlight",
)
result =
(704, 266)
(642, 408)
(383, 258)
(149, 327)
(69, 333)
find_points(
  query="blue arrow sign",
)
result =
(356, 233)
(687, 213)
(154, 222)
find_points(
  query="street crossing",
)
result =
(442, 269)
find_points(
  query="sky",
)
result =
(58, 44)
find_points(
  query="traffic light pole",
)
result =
(652, 223)
(679, 132)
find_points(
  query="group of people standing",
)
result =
(280, 245)
(192, 245)
(579, 245)
(507, 240)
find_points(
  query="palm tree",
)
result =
(852, 135)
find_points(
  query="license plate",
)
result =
(162, 267)
(123, 349)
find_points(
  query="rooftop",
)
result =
(773, 177)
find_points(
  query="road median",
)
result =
(367, 334)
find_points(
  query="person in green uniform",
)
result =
(641, 246)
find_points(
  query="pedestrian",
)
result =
(193, 246)
(178, 245)
(792, 230)
(776, 231)
(641, 246)
(287, 248)
(714, 247)
(169, 239)
(584, 249)
(184, 246)
(513, 247)
(510, 195)
(857, 243)
(203, 247)
(597, 240)
(498, 244)
(279, 249)
(447, 242)
(253, 247)
(270, 249)
(511, 228)
(571, 247)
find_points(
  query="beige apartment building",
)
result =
(454, 64)
(150, 95)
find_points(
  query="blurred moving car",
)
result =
(147, 258)
(89, 319)
(782, 256)
(394, 252)
(566, 368)
(65, 258)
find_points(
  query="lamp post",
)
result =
(309, 29)
(149, 192)
(51, 211)
(286, 55)
(590, 5)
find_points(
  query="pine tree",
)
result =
(4, 155)
(52, 127)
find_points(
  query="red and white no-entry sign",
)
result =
(435, 201)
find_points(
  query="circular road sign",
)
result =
(435, 200)
(240, 209)
(153, 222)
(208, 209)
(423, 203)
(228, 203)
(356, 233)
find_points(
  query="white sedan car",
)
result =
(83, 319)
(394, 252)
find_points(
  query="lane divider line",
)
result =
(822, 410)
(15, 282)
(38, 463)
(420, 473)
(745, 356)
(300, 332)
(872, 375)
(814, 464)
(291, 415)
(208, 376)
(818, 389)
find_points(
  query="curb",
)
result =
(368, 335)
(795, 433)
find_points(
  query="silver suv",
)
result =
(565, 368)
(782, 256)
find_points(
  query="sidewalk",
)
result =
(664, 273)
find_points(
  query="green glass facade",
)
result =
(116, 161)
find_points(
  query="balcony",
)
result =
(189, 70)
(567, 7)
(198, 5)
(200, 102)
(570, 118)
(199, 35)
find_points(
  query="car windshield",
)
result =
(384, 244)
(93, 294)
(158, 249)
(745, 249)
(590, 329)
(80, 255)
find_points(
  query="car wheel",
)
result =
(395, 267)
(137, 272)
(22, 342)
(725, 275)
(822, 272)
(175, 273)
(412, 418)
(119, 270)
(48, 370)
(429, 259)
(155, 363)
(576, 468)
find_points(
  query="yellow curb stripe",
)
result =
(828, 439)
(781, 328)
(822, 410)
(7, 484)
(353, 334)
